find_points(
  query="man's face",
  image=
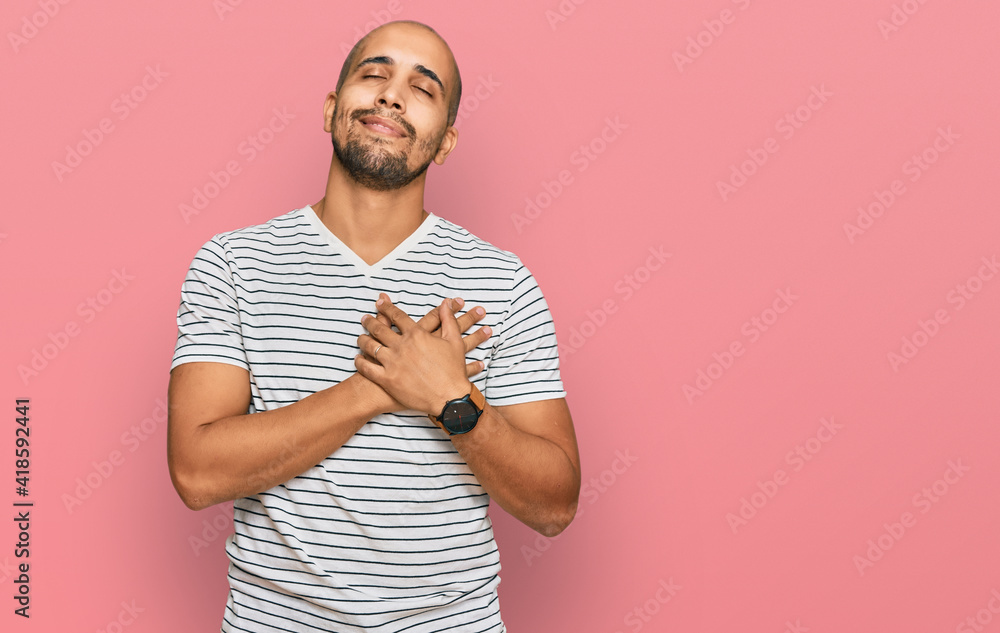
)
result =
(391, 113)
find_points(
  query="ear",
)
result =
(328, 105)
(447, 145)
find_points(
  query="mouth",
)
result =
(382, 125)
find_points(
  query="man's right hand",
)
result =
(431, 322)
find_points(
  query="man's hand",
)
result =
(417, 369)
(430, 323)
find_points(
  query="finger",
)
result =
(473, 368)
(432, 320)
(465, 321)
(399, 318)
(370, 370)
(449, 325)
(477, 338)
(370, 346)
(378, 330)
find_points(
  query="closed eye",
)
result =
(426, 92)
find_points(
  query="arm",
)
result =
(524, 455)
(217, 452)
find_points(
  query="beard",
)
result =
(375, 168)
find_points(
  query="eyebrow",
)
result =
(388, 61)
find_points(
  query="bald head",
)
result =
(455, 94)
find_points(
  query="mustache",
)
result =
(410, 131)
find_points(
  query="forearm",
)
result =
(530, 477)
(243, 455)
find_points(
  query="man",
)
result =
(352, 435)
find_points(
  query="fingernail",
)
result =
(380, 301)
(480, 311)
(460, 301)
(488, 331)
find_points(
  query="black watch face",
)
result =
(460, 417)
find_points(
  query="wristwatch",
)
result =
(461, 414)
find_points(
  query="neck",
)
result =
(370, 223)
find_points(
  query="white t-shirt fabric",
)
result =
(390, 532)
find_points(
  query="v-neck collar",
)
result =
(369, 269)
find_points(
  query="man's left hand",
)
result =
(420, 370)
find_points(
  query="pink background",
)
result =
(846, 541)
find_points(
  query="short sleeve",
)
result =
(525, 362)
(208, 319)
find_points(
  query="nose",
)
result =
(390, 97)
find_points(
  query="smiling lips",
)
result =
(382, 126)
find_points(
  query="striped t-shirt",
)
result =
(390, 532)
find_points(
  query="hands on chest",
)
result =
(422, 366)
